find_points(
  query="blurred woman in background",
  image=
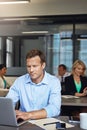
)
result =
(76, 83)
(3, 82)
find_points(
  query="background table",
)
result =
(71, 105)
(81, 101)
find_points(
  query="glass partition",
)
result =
(61, 42)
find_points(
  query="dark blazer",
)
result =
(70, 88)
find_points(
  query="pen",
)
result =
(72, 121)
(51, 123)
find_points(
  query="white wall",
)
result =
(45, 7)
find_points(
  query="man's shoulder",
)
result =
(51, 76)
(25, 76)
(67, 74)
(69, 77)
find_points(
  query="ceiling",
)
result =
(41, 15)
(14, 26)
(44, 8)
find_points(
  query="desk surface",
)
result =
(82, 101)
(66, 119)
(26, 126)
(29, 126)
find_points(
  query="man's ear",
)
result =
(44, 65)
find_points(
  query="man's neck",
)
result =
(39, 79)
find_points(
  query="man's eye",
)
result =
(35, 65)
(28, 67)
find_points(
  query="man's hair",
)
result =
(64, 66)
(34, 53)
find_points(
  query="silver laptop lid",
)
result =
(7, 113)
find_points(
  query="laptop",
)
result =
(7, 113)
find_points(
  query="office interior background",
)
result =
(57, 27)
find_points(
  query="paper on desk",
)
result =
(49, 120)
(69, 96)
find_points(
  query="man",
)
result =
(62, 73)
(39, 92)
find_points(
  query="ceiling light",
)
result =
(14, 1)
(15, 19)
(84, 39)
(35, 32)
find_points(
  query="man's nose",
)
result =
(31, 69)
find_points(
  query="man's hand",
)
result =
(38, 114)
(22, 115)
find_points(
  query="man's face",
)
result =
(61, 71)
(35, 68)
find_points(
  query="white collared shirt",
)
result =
(65, 75)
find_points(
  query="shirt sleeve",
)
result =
(54, 105)
(13, 93)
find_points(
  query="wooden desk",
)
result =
(29, 126)
(66, 119)
(82, 101)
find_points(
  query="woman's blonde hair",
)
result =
(76, 63)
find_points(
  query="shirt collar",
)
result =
(44, 80)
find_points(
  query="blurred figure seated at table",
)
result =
(76, 83)
(3, 82)
(62, 73)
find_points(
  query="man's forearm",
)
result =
(37, 114)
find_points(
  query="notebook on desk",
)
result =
(7, 113)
